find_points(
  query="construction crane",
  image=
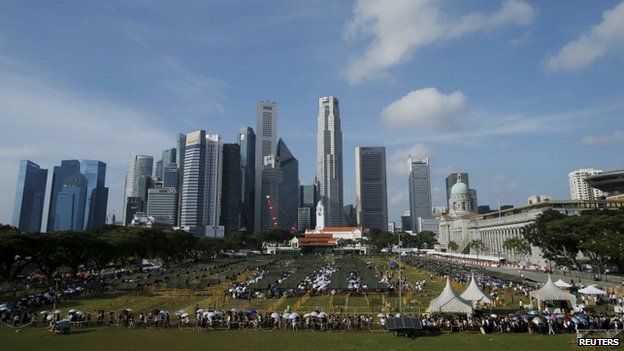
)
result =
(293, 228)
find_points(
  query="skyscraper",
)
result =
(419, 191)
(180, 151)
(289, 190)
(371, 194)
(158, 170)
(247, 142)
(68, 168)
(171, 176)
(169, 157)
(271, 192)
(162, 205)
(329, 161)
(201, 185)
(29, 197)
(97, 193)
(71, 204)
(308, 199)
(579, 189)
(139, 165)
(231, 189)
(266, 144)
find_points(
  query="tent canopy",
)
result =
(592, 290)
(474, 293)
(563, 284)
(551, 292)
(449, 302)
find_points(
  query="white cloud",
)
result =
(593, 44)
(398, 197)
(398, 159)
(601, 140)
(424, 108)
(47, 122)
(396, 29)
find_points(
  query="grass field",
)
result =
(180, 340)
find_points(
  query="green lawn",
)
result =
(180, 340)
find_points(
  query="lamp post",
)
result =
(400, 278)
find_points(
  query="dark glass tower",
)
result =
(247, 142)
(67, 169)
(29, 197)
(289, 189)
(230, 189)
(71, 204)
(97, 194)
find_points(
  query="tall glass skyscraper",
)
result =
(97, 194)
(289, 190)
(247, 142)
(231, 189)
(329, 160)
(71, 203)
(139, 166)
(29, 197)
(67, 169)
(180, 151)
(371, 194)
(419, 190)
(266, 144)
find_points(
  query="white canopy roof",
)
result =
(562, 284)
(449, 302)
(592, 290)
(474, 293)
(551, 292)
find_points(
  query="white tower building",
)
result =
(329, 161)
(579, 189)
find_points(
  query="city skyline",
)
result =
(497, 114)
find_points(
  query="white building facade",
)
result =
(579, 189)
(329, 164)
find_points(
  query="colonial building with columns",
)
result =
(462, 226)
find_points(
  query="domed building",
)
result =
(460, 202)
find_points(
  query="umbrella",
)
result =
(381, 315)
(533, 312)
(306, 315)
(293, 315)
(252, 312)
(184, 315)
(57, 312)
(200, 310)
(50, 317)
(314, 314)
(71, 311)
(575, 320)
(275, 315)
(42, 312)
(398, 315)
(560, 315)
(493, 315)
(322, 315)
(286, 315)
(536, 320)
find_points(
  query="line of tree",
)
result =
(597, 234)
(114, 245)
(381, 240)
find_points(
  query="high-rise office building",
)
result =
(68, 168)
(158, 170)
(303, 219)
(247, 142)
(289, 191)
(29, 196)
(201, 185)
(271, 193)
(139, 166)
(349, 215)
(371, 194)
(329, 160)
(169, 157)
(162, 205)
(71, 204)
(180, 151)
(579, 189)
(171, 176)
(97, 194)
(231, 189)
(266, 144)
(308, 199)
(419, 191)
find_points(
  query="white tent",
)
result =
(449, 302)
(563, 284)
(474, 294)
(551, 292)
(592, 290)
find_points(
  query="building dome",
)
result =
(459, 188)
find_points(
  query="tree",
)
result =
(517, 245)
(477, 245)
(452, 246)
(13, 252)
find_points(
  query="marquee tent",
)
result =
(474, 294)
(449, 302)
(563, 284)
(551, 292)
(592, 290)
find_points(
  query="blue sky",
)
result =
(517, 93)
